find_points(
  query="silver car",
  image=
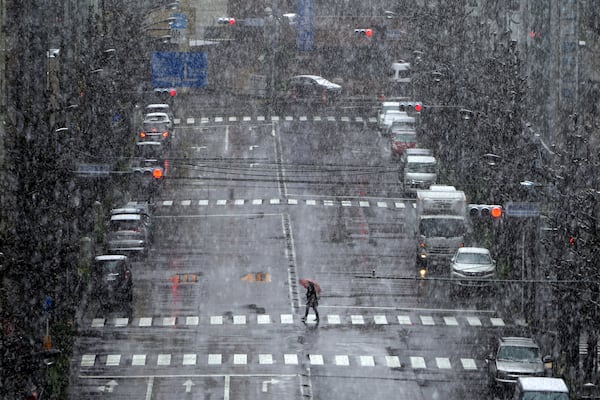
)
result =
(472, 266)
(513, 357)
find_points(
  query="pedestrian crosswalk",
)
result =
(392, 204)
(271, 119)
(411, 361)
(285, 319)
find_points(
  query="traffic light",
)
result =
(368, 32)
(491, 211)
(226, 21)
(411, 106)
(157, 173)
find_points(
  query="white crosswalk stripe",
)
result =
(225, 119)
(330, 319)
(382, 204)
(417, 362)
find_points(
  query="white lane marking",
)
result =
(334, 319)
(226, 387)
(497, 321)
(98, 322)
(145, 322)
(364, 204)
(121, 322)
(315, 359)
(215, 359)
(263, 319)
(149, 388)
(293, 201)
(257, 202)
(240, 359)
(203, 202)
(265, 359)
(221, 202)
(427, 320)
(367, 361)
(380, 319)
(290, 359)
(218, 119)
(342, 360)
(474, 321)
(163, 360)
(451, 321)
(443, 362)
(216, 320)
(138, 359)
(392, 361)
(346, 203)
(239, 319)
(404, 320)
(239, 202)
(192, 320)
(468, 363)
(311, 202)
(260, 118)
(186, 202)
(417, 362)
(189, 359)
(287, 318)
(357, 319)
(382, 204)
(190, 121)
(113, 360)
(274, 201)
(88, 360)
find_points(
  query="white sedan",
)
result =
(472, 266)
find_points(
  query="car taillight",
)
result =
(165, 134)
(127, 274)
(142, 134)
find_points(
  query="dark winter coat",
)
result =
(312, 300)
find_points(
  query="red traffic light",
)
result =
(172, 92)
(418, 107)
(157, 173)
(368, 32)
(496, 212)
(226, 21)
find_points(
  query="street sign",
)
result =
(304, 33)
(179, 69)
(93, 170)
(522, 209)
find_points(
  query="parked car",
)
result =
(111, 278)
(472, 266)
(513, 357)
(402, 141)
(313, 88)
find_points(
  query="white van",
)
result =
(420, 172)
(540, 388)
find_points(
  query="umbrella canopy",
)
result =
(304, 282)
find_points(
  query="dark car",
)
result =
(314, 89)
(111, 278)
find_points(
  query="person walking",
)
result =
(312, 301)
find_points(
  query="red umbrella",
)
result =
(305, 282)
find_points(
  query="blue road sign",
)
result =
(48, 303)
(179, 22)
(522, 210)
(179, 69)
(304, 35)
